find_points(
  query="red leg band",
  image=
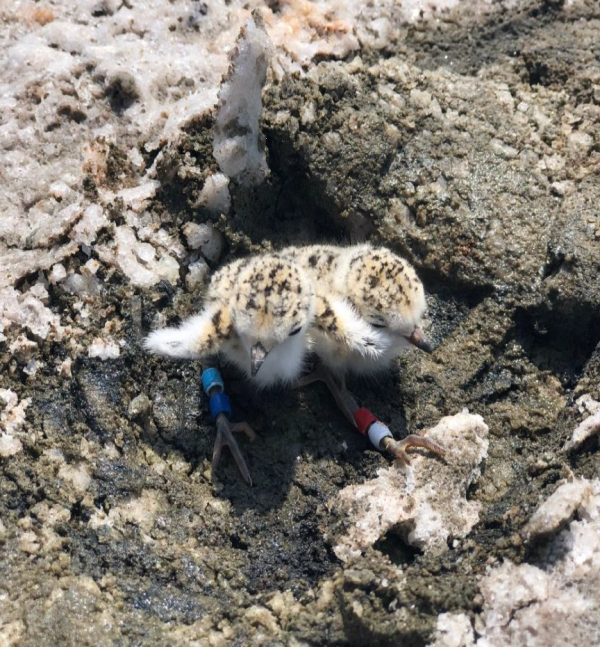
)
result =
(364, 419)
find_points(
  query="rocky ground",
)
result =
(464, 138)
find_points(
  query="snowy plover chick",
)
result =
(257, 313)
(370, 306)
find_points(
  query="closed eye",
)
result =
(378, 325)
(295, 332)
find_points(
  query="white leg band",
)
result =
(377, 432)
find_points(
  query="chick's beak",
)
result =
(419, 340)
(258, 354)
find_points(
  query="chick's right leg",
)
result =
(225, 431)
(348, 405)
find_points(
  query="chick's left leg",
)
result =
(348, 405)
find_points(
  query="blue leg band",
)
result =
(219, 403)
(211, 378)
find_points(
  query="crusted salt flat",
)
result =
(12, 419)
(588, 427)
(87, 78)
(552, 603)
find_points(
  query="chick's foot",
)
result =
(397, 448)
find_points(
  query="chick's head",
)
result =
(389, 295)
(272, 306)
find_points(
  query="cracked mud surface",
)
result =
(470, 145)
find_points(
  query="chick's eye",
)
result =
(378, 325)
(295, 332)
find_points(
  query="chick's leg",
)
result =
(343, 398)
(225, 431)
(348, 405)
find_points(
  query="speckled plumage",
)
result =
(369, 302)
(265, 301)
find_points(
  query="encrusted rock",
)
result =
(426, 503)
(214, 196)
(12, 419)
(559, 508)
(137, 260)
(239, 145)
(196, 277)
(26, 310)
(454, 630)
(205, 238)
(543, 605)
(584, 430)
(103, 349)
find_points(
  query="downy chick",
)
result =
(257, 313)
(370, 306)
